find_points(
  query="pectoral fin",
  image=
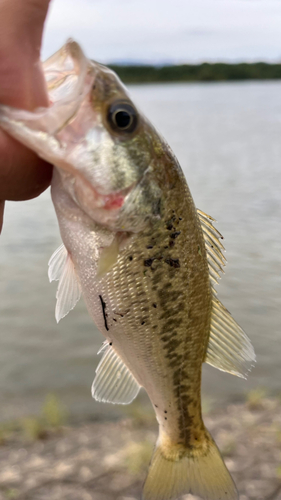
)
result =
(229, 348)
(114, 383)
(56, 263)
(62, 268)
(108, 257)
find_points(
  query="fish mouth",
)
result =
(59, 133)
(68, 78)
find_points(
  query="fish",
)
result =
(145, 260)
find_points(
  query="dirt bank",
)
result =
(107, 461)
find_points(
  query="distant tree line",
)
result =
(205, 72)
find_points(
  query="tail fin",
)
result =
(174, 472)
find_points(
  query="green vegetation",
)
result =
(11, 493)
(142, 415)
(53, 416)
(137, 456)
(255, 398)
(53, 412)
(205, 72)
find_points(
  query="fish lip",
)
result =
(69, 61)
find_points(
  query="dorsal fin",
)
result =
(68, 293)
(114, 383)
(214, 247)
(229, 348)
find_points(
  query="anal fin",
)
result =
(229, 348)
(114, 383)
(57, 263)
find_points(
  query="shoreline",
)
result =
(204, 72)
(108, 461)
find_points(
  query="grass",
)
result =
(142, 415)
(51, 419)
(255, 398)
(137, 456)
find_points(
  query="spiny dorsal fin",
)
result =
(113, 382)
(62, 268)
(229, 348)
(214, 247)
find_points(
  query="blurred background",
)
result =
(226, 135)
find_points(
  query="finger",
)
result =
(23, 175)
(2, 204)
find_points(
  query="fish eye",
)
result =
(122, 117)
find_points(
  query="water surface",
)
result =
(227, 138)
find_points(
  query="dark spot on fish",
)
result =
(165, 411)
(148, 262)
(165, 418)
(174, 362)
(156, 406)
(149, 247)
(173, 262)
(171, 244)
(103, 305)
(119, 314)
(175, 234)
(130, 258)
(167, 285)
(180, 218)
(154, 305)
(158, 277)
(165, 338)
(168, 313)
(143, 323)
(115, 320)
(110, 343)
(170, 227)
(166, 247)
(158, 257)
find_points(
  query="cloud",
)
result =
(161, 30)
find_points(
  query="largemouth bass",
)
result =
(144, 259)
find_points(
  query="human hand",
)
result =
(23, 175)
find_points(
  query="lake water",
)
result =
(228, 140)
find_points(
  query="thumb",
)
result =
(21, 78)
(23, 174)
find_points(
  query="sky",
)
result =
(167, 31)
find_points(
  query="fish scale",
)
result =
(173, 343)
(144, 260)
